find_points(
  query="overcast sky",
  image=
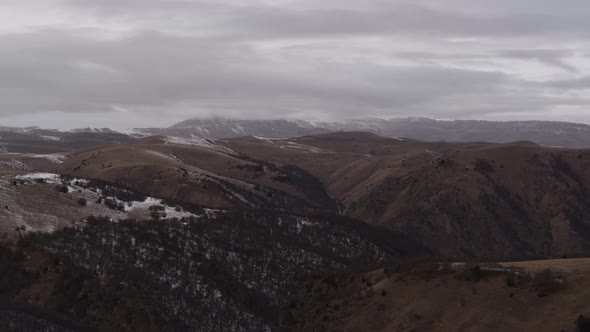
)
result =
(137, 63)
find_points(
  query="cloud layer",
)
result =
(131, 63)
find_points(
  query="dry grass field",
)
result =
(380, 301)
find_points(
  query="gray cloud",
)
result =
(549, 57)
(581, 83)
(154, 62)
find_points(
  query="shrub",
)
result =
(157, 211)
(547, 282)
(63, 189)
(511, 279)
(83, 201)
(157, 208)
(282, 179)
(470, 273)
(583, 324)
(158, 214)
(517, 278)
(101, 219)
(113, 204)
(483, 166)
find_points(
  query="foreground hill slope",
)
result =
(222, 271)
(546, 295)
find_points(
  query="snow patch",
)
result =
(133, 132)
(170, 211)
(160, 154)
(304, 222)
(55, 158)
(203, 142)
(50, 138)
(47, 177)
(293, 145)
(15, 164)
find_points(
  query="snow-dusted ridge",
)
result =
(47, 177)
(95, 197)
(55, 158)
(202, 142)
(207, 143)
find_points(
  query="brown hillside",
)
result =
(448, 301)
(493, 201)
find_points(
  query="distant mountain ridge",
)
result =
(46, 141)
(548, 133)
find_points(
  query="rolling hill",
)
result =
(463, 200)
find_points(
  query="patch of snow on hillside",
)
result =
(270, 140)
(304, 222)
(160, 154)
(15, 165)
(133, 132)
(151, 201)
(55, 158)
(203, 142)
(47, 177)
(200, 142)
(78, 182)
(50, 138)
(293, 145)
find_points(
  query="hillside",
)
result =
(250, 233)
(224, 271)
(462, 200)
(520, 296)
(478, 200)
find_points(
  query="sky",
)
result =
(151, 63)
